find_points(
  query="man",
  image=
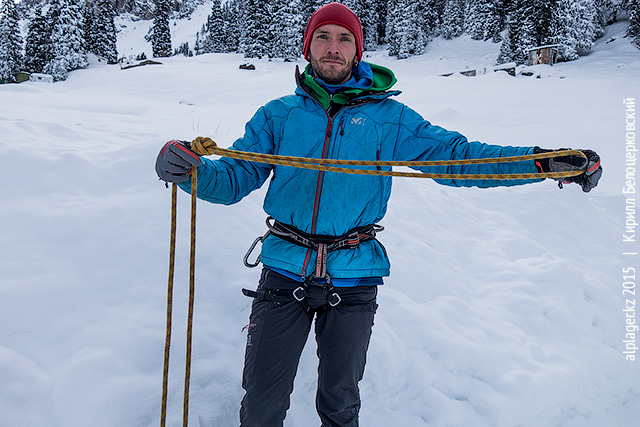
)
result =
(321, 257)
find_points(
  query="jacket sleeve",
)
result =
(227, 181)
(417, 139)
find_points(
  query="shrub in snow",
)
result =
(58, 68)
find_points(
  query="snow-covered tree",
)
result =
(545, 18)
(633, 9)
(452, 19)
(607, 12)
(574, 28)
(405, 29)
(483, 19)
(67, 39)
(232, 16)
(160, 36)
(256, 37)
(222, 30)
(367, 12)
(307, 7)
(143, 9)
(38, 48)
(216, 34)
(431, 11)
(521, 32)
(183, 49)
(288, 29)
(11, 59)
(100, 30)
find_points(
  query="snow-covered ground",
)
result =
(505, 306)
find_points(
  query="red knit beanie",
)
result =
(338, 14)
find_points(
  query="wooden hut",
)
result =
(543, 54)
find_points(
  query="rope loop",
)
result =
(336, 165)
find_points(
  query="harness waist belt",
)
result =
(351, 239)
(323, 244)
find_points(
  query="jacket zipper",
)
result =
(316, 204)
(327, 138)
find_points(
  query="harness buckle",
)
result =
(353, 239)
(300, 293)
(334, 299)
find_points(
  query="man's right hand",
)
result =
(175, 160)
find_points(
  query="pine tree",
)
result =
(183, 49)
(307, 7)
(380, 12)
(11, 59)
(430, 12)
(606, 14)
(452, 19)
(232, 15)
(405, 29)
(67, 39)
(633, 8)
(546, 16)
(100, 30)
(91, 35)
(256, 37)
(288, 29)
(214, 38)
(574, 28)
(38, 48)
(366, 11)
(483, 19)
(160, 33)
(521, 32)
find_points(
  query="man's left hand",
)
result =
(587, 180)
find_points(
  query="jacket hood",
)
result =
(383, 80)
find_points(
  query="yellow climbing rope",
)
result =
(205, 146)
(192, 290)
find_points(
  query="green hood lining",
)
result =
(383, 80)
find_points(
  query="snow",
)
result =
(504, 307)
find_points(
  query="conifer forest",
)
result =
(60, 33)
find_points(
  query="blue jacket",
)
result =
(370, 126)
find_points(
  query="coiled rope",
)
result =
(329, 165)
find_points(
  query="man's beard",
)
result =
(331, 76)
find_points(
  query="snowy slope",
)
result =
(504, 307)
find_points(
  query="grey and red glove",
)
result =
(175, 160)
(587, 180)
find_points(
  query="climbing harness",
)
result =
(322, 245)
(319, 243)
(172, 257)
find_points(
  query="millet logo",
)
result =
(358, 121)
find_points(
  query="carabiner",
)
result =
(250, 251)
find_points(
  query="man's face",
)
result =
(332, 53)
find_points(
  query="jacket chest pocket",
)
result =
(357, 138)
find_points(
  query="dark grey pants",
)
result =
(277, 334)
